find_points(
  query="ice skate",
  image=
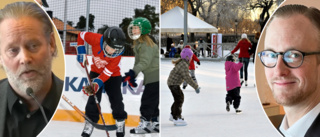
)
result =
(179, 122)
(87, 130)
(171, 117)
(228, 106)
(241, 82)
(121, 128)
(238, 111)
(245, 83)
(155, 127)
(143, 127)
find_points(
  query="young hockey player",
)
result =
(177, 75)
(191, 68)
(105, 74)
(147, 62)
(233, 83)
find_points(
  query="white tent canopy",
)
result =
(172, 21)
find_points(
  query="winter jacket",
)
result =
(173, 50)
(179, 46)
(194, 58)
(232, 74)
(147, 62)
(105, 66)
(244, 46)
(180, 73)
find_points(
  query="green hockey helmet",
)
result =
(143, 24)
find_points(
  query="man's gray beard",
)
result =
(37, 83)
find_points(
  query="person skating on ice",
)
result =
(192, 68)
(233, 84)
(147, 62)
(105, 74)
(178, 74)
(244, 45)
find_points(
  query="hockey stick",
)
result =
(95, 97)
(95, 125)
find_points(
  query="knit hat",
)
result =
(188, 46)
(244, 36)
(186, 54)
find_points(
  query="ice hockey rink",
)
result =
(206, 113)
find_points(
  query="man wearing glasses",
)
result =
(292, 67)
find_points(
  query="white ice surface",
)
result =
(206, 113)
(74, 129)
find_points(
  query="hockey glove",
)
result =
(92, 89)
(81, 55)
(198, 62)
(130, 77)
(87, 90)
(97, 84)
(126, 83)
(198, 90)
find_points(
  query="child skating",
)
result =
(177, 75)
(192, 68)
(233, 84)
(147, 62)
(105, 74)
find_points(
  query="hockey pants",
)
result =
(113, 89)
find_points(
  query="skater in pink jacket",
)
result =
(233, 83)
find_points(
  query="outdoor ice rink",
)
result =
(74, 129)
(206, 113)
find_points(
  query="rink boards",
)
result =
(76, 78)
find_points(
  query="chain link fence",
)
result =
(70, 16)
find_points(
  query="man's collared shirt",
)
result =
(20, 122)
(299, 128)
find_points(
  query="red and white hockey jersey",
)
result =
(102, 64)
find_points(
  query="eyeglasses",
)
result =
(291, 58)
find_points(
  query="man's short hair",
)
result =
(28, 9)
(313, 14)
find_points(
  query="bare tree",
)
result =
(167, 5)
(220, 13)
(226, 12)
(195, 6)
(248, 26)
(206, 10)
(265, 5)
